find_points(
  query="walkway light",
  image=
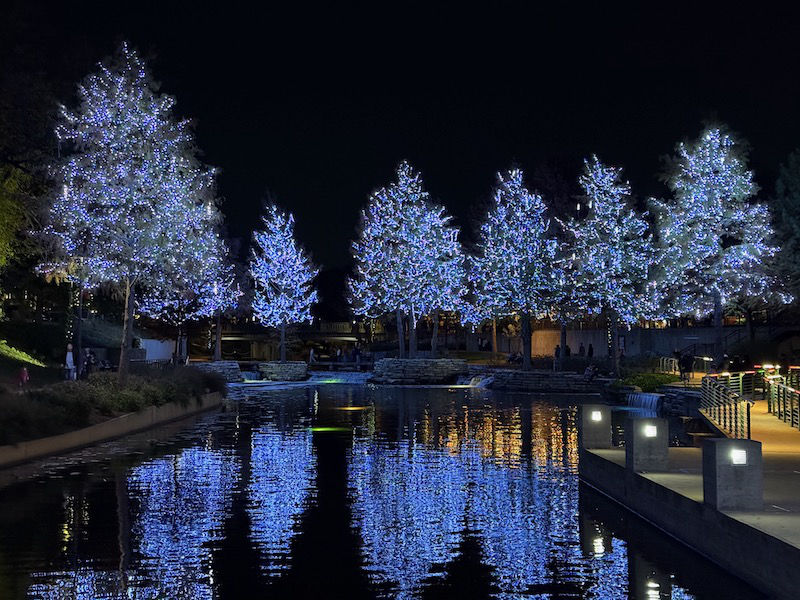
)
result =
(738, 456)
(650, 431)
(597, 416)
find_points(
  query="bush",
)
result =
(70, 405)
(650, 382)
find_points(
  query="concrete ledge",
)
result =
(758, 558)
(418, 371)
(288, 371)
(130, 423)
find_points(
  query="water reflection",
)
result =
(418, 493)
(283, 470)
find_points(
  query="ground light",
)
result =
(597, 415)
(650, 431)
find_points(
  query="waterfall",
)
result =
(644, 400)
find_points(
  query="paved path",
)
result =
(780, 446)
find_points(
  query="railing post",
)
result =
(748, 420)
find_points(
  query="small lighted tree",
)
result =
(282, 275)
(408, 258)
(516, 270)
(716, 244)
(612, 251)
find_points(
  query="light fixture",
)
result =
(739, 457)
(650, 431)
(597, 415)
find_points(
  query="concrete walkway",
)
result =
(780, 445)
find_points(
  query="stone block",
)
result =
(595, 429)
(733, 474)
(283, 371)
(646, 444)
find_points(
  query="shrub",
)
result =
(69, 405)
(650, 382)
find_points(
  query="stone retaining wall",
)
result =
(418, 371)
(113, 428)
(229, 369)
(288, 371)
(544, 381)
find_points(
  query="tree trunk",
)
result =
(495, 349)
(127, 335)
(615, 343)
(562, 354)
(435, 333)
(412, 335)
(283, 342)
(79, 334)
(751, 331)
(526, 340)
(718, 350)
(401, 338)
(218, 338)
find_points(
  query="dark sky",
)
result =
(318, 105)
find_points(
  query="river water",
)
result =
(337, 491)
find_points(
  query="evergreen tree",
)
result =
(282, 275)
(612, 253)
(786, 213)
(715, 243)
(128, 180)
(516, 270)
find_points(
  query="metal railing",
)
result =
(726, 406)
(668, 364)
(783, 400)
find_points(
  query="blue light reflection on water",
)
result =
(425, 471)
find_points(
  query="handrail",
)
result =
(783, 400)
(723, 401)
(668, 364)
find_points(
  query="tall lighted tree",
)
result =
(282, 275)
(408, 259)
(612, 251)
(221, 294)
(716, 242)
(128, 174)
(516, 270)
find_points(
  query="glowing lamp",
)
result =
(739, 457)
(596, 415)
(650, 431)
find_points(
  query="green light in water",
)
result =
(330, 429)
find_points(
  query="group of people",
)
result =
(339, 355)
(87, 366)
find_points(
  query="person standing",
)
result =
(69, 364)
(23, 378)
(590, 351)
(557, 351)
(581, 350)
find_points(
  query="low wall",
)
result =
(545, 381)
(288, 371)
(229, 369)
(750, 554)
(418, 371)
(113, 428)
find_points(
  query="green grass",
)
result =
(14, 354)
(69, 405)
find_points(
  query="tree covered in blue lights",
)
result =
(716, 242)
(612, 251)
(282, 275)
(408, 258)
(128, 182)
(516, 270)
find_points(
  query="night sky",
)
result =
(318, 105)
